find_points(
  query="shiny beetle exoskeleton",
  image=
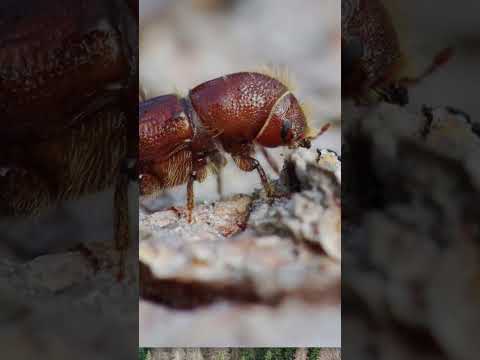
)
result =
(182, 138)
(373, 61)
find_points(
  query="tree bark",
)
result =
(301, 354)
(216, 353)
(161, 354)
(235, 354)
(193, 354)
(329, 354)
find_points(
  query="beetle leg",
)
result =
(218, 161)
(440, 59)
(263, 177)
(198, 173)
(271, 161)
(220, 184)
(248, 163)
(190, 197)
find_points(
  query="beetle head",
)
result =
(286, 124)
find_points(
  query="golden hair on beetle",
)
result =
(280, 73)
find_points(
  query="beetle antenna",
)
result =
(312, 134)
(440, 59)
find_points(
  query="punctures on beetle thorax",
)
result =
(374, 67)
(370, 22)
(370, 39)
(251, 107)
(236, 105)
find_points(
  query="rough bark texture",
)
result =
(301, 354)
(83, 304)
(288, 247)
(193, 353)
(329, 354)
(410, 233)
(177, 354)
(249, 249)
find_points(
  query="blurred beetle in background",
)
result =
(373, 60)
(68, 87)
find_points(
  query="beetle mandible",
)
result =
(182, 138)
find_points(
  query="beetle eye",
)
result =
(285, 130)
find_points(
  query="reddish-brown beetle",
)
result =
(372, 58)
(68, 84)
(181, 138)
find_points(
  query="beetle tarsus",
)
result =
(263, 177)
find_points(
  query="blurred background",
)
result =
(186, 42)
(425, 28)
(406, 220)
